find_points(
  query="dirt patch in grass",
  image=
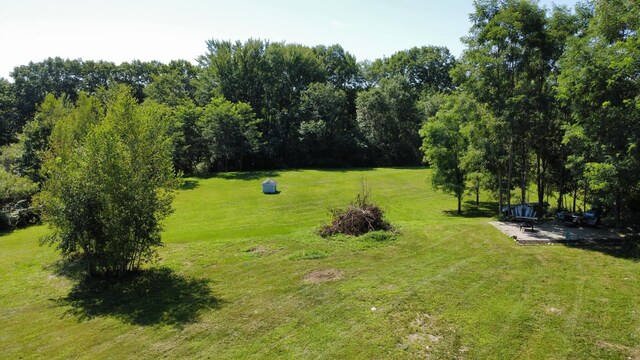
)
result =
(260, 250)
(430, 339)
(552, 310)
(633, 353)
(57, 281)
(325, 275)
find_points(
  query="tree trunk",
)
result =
(560, 198)
(509, 175)
(586, 189)
(499, 190)
(478, 196)
(459, 196)
(523, 176)
(561, 192)
(618, 209)
(541, 179)
(575, 195)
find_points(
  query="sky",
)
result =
(163, 30)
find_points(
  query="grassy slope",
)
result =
(449, 286)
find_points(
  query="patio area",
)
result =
(553, 232)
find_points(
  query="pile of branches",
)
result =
(357, 219)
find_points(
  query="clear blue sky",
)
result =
(123, 30)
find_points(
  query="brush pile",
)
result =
(357, 219)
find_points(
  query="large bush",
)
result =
(15, 200)
(109, 182)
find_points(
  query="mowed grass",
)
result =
(243, 275)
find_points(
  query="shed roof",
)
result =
(269, 182)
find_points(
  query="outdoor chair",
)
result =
(526, 215)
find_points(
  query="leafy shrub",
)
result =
(14, 187)
(17, 215)
(15, 199)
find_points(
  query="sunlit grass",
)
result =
(244, 275)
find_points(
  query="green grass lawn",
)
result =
(233, 281)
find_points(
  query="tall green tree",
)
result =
(34, 81)
(9, 125)
(268, 76)
(600, 84)
(328, 134)
(389, 121)
(137, 75)
(189, 147)
(342, 71)
(340, 67)
(446, 139)
(235, 71)
(96, 75)
(229, 133)
(506, 66)
(105, 197)
(291, 69)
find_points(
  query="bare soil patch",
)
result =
(429, 338)
(552, 310)
(633, 353)
(260, 250)
(325, 275)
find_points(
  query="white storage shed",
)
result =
(269, 186)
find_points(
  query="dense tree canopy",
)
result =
(389, 121)
(9, 126)
(229, 133)
(327, 134)
(558, 89)
(425, 68)
(600, 84)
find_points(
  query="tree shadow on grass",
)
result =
(340, 169)
(628, 248)
(485, 209)
(246, 175)
(149, 297)
(189, 185)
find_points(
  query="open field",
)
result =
(243, 275)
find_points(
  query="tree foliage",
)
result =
(109, 183)
(229, 133)
(284, 84)
(446, 142)
(35, 137)
(425, 68)
(557, 89)
(389, 121)
(9, 126)
(328, 135)
(599, 83)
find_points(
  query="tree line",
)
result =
(543, 103)
(299, 105)
(546, 104)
